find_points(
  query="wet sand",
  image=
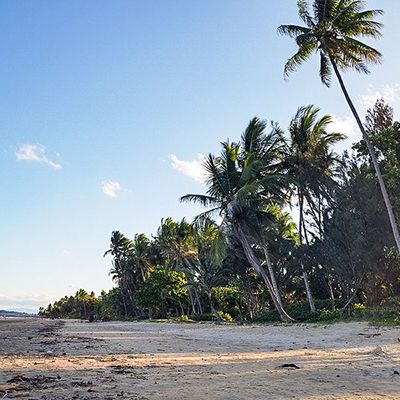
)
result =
(44, 359)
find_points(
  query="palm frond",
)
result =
(293, 31)
(303, 53)
(204, 200)
(322, 9)
(325, 71)
(304, 13)
(203, 218)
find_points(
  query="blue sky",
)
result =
(106, 107)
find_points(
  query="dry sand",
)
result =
(43, 359)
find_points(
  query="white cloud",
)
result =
(111, 188)
(348, 126)
(36, 153)
(390, 93)
(345, 125)
(24, 303)
(193, 168)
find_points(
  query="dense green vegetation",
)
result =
(253, 262)
(244, 258)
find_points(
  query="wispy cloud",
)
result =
(36, 153)
(111, 188)
(390, 93)
(192, 168)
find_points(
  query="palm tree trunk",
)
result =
(143, 273)
(121, 286)
(198, 301)
(192, 301)
(305, 275)
(331, 294)
(252, 259)
(372, 154)
(272, 274)
(213, 310)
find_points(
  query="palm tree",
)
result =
(121, 249)
(241, 182)
(176, 242)
(332, 31)
(141, 254)
(206, 270)
(309, 161)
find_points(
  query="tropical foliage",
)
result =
(244, 258)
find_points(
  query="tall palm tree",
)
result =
(141, 254)
(242, 180)
(309, 161)
(332, 31)
(176, 242)
(121, 249)
(206, 270)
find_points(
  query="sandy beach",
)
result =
(45, 359)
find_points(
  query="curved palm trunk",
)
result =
(371, 150)
(305, 275)
(252, 259)
(272, 274)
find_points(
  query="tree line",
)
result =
(245, 256)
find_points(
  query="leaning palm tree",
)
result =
(309, 160)
(241, 182)
(332, 31)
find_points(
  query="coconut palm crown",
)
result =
(331, 29)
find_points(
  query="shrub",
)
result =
(301, 313)
(225, 316)
(185, 319)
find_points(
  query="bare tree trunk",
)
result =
(305, 275)
(124, 304)
(192, 301)
(248, 298)
(143, 274)
(331, 294)
(181, 307)
(252, 259)
(213, 310)
(198, 301)
(272, 274)
(348, 304)
(308, 290)
(121, 285)
(372, 154)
